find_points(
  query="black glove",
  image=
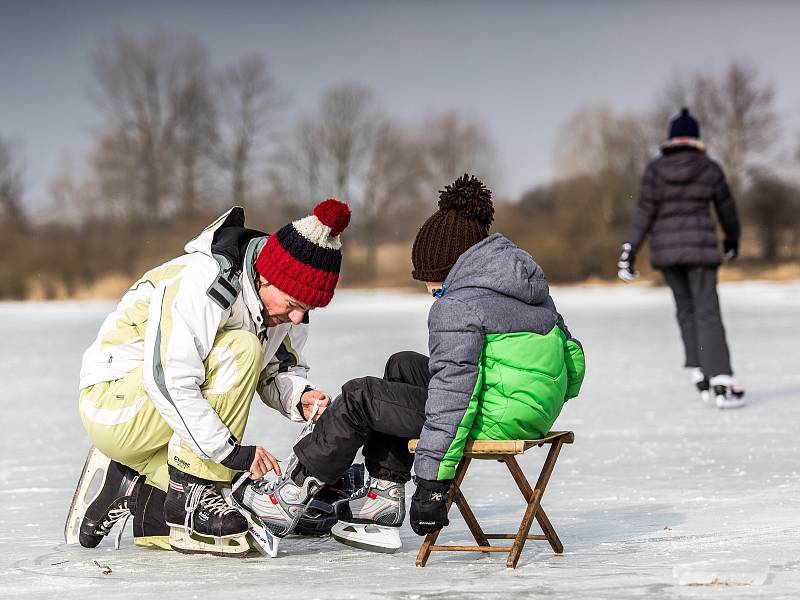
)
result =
(625, 263)
(428, 511)
(731, 248)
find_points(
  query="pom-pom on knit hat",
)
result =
(463, 219)
(303, 258)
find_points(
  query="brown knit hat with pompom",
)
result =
(463, 219)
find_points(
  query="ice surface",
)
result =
(655, 480)
(738, 571)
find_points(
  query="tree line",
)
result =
(177, 141)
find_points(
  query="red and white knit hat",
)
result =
(304, 257)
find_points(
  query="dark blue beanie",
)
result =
(684, 125)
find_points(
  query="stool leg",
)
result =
(534, 510)
(549, 531)
(470, 519)
(530, 512)
(430, 539)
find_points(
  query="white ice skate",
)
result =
(728, 394)
(260, 538)
(702, 384)
(273, 508)
(371, 518)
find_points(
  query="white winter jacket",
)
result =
(166, 323)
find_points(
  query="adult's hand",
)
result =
(263, 463)
(625, 264)
(308, 399)
(731, 248)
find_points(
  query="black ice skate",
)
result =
(106, 494)
(320, 515)
(199, 519)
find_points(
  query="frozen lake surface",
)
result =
(658, 490)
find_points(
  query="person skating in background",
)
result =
(677, 192)
(502, 363)
(166, 387)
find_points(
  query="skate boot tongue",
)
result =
(204, 502)
(200, 520)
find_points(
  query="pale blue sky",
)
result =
(519, 67)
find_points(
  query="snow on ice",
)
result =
(659, 497)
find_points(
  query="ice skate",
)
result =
(199, 519)
(320, 515)
(371, 518)
(280, 503)
(259, 537)
(727, 393)
(106, 494)
(702, 384)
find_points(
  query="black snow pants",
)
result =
(379, 414)
(699, 318)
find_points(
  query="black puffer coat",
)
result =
(678, 189)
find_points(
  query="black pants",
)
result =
(379, 414)
(699, 318)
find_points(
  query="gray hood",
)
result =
(499, 265)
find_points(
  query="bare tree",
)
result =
(773, 206)
(397, 173)
(295, 171)
(195, 136)
(349, 122)
(248, 98)
(12, 187)
(596, 140)
(141, 90)
(455, 145)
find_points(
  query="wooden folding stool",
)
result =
(503, 451)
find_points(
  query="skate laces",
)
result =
(362, 491)
(265, 486)
(207, 496)
(115, 514)
(120, 513)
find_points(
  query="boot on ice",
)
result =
(727, 392)
(371, 518)
(280, 503)
(95, 510)
(199, 519)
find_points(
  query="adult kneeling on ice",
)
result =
(166, 386)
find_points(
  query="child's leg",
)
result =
(408, 367)
(377, 414)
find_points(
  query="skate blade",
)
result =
(184, 542)
(374, 538)
(724, 403)
(91, 481)
(260, 538)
